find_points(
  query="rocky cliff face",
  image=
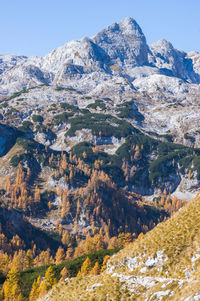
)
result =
(173, 62)
(117, 51)
(125, 43)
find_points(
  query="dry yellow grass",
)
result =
(175, 278)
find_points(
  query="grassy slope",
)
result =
(175, 278)
(27, 277)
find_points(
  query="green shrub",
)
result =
(15, 160)
(28, 145)
(62, 118)
(68, 107)
(17, 94)
(100, 124)
(27, 277)
(196, 167)
(82, 147)
(26, 126)
(63, 88)
(27, 123)
(189, 137)
(37, 118)
(129, 110)
(4, 105)
(98, 103)
(41, 128)
(11, 111)
(165, 148)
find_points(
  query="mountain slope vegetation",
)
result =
(163, 264)
(99, 143)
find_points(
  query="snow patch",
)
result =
(143, 270)
(159, 295)
(158, 260)
(132, 263)
(195, 257)
(193, 298)
(96, 285)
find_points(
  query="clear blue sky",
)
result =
(35, 27)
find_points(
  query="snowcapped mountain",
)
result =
(173, 62)
(118, 51)
(125, 43)
(155, 88)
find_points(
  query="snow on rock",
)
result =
(133, 282)
(61, 183)
(193, 298)
(8, 61)
(195, 257)
(110, 268)
(159, 295)
(118, 53)
(158, 260)
(81, 135)
(133, 263)
(172, 61)
(19, 77)
(186, 188)
(156, 82)
(96, 285)
(197, 296)
(58, 201)
(195, 57)
(166, 284)
(143, 270)
(124, 43)
(107, 141)
(41, 138)
(59, 143)
(117, 64)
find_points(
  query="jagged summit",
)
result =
(127, 26)
(162, 43)
(173, 60)
(118, 44)
(119, 50)
(124, 42)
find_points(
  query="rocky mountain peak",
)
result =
(127, 26)
(130, 26)
(162, 43)
(118, 50)
(124, 42)
(174, 62)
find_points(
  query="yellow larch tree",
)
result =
(11, 289)
(86, 267)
